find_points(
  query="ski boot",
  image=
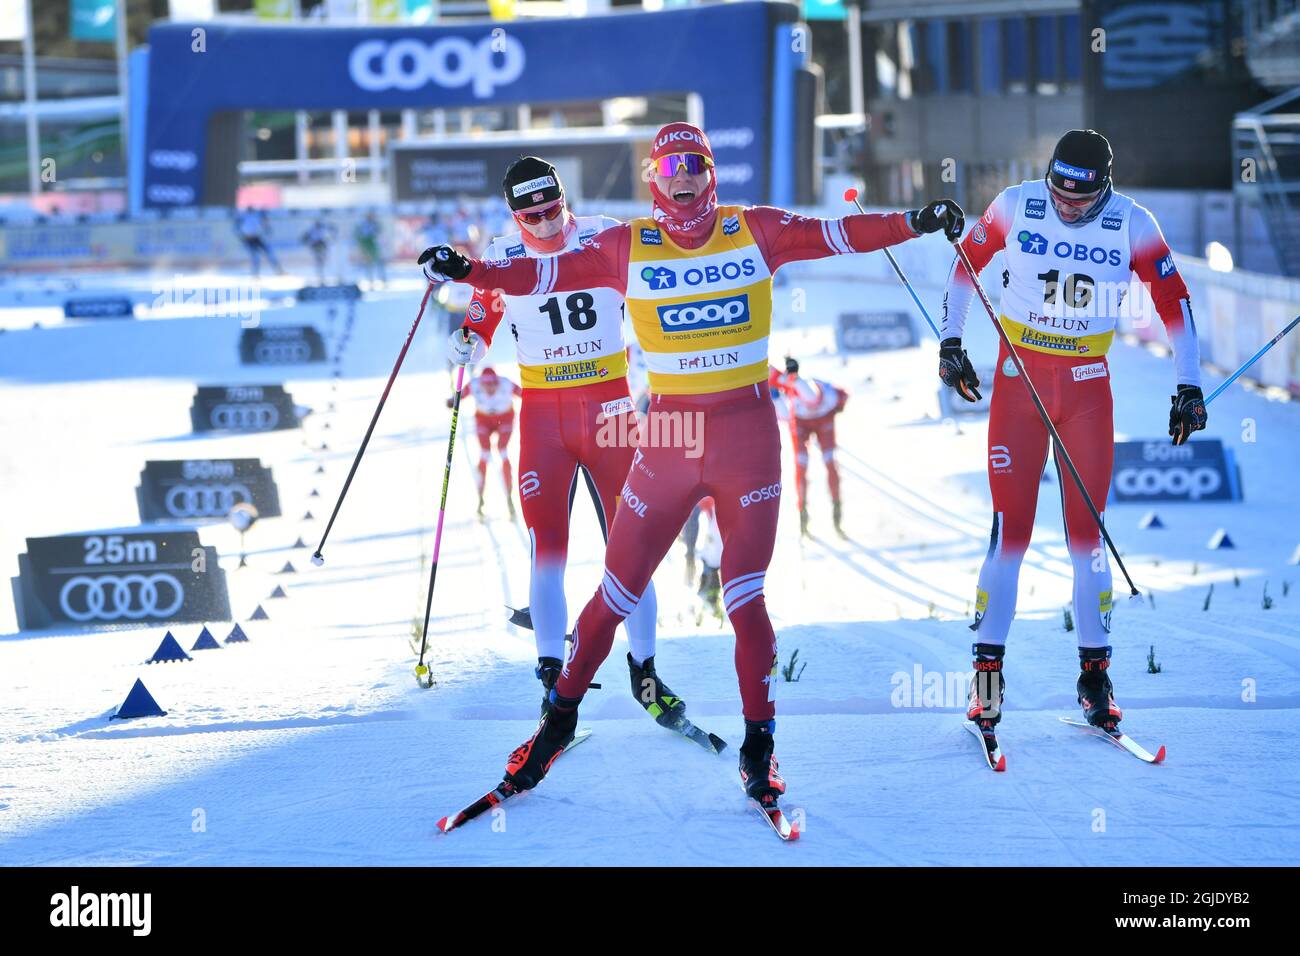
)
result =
(510, 507)
(530, 761)
(1096, 695)
(981, 708)
(653, 694)
(758, 767)
(480, 506)
(803, 523)
(548, 672)
(837, 515)
(711, 589)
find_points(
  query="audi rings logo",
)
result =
(450, 62)
(281, 353)
(182, 159)
(253, 416)
(111, 597)
(204, 501)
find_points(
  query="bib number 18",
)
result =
(581, 314)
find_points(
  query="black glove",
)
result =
(956, 372)
(443, 264)
(941, 214)
(791, 366)
(1187, 413)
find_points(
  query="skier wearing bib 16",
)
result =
(573, 365)
(1071, 244)
(697, 280)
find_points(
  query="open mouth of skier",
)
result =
(683, 195)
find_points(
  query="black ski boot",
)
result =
(837, 515)
(1096, 695)
(803, 523)
(987, 683)
(530, 761)
(653, 694)
(548, 672)
(758, 767)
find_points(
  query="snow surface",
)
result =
(312, 744)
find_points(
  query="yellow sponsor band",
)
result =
(583, 371)
(1027, 337)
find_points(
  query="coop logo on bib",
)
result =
(651, 237)
(704, 314)
(1035, 208)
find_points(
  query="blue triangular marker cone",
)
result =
(259, 615)
(277, 593)
(139, 703)
(237, 636)
(1151, 520)
(1220, 540)
(206, 642)
(169, 650)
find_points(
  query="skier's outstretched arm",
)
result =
(786, 237)
(600, 263)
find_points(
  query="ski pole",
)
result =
(422, 675)
(1134, 595)
(316, 557)
(851, 195)
(1253, 359)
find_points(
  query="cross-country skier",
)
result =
(573, 363)
(494, 414)
(366, 234)
(697, 280)
(317, 239)
(813, 406)
(1071, 245)
(252, 227)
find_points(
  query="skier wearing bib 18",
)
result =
(1071, 245)
(697, 280)
(573, 364)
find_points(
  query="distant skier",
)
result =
(697, 280)
(367, 236)
(1071, 245)
(253, 229)
(813, 405)
(494, 414)
(318, 238)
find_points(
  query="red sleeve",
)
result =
(599, 263)
(464, 392)
(519, 392)
(785, 237)
(989, 235)
(484, 312)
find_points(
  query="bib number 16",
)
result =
(1076, 291)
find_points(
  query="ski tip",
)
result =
(1001, 764)
(719, 744)
(795, 833)
(1160, 755)
(444, 825)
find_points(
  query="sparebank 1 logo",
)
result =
(1032, 243)
(408, 64)
(660, 278)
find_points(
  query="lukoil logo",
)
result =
(766, 493)
(660, 278)
(450, 63)
(1032, 243)
(706, 314)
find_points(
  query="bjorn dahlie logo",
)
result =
(75, 909)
